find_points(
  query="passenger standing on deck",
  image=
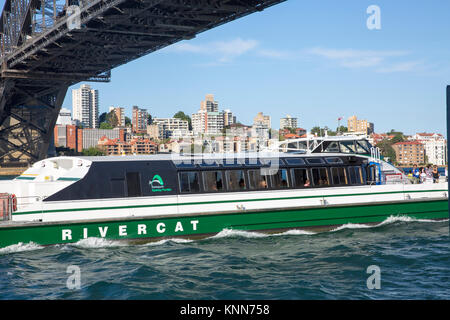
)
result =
(435, 174)
(423, 175)
(416, 174)
(429, 173)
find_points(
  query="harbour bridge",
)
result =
(49, 45)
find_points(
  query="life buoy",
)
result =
(14, 202)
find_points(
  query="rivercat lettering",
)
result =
(128, 230)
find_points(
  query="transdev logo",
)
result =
(157, 184)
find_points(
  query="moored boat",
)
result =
(340, 181)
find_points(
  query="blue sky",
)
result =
(315, 60)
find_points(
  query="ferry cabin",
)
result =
(66, 199)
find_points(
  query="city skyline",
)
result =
(317, 59)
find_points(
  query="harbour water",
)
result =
(412, 256)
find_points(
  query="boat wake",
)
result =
(20, 247)
(228, 233)
(389, 220)
(171, 240)
(93, 242)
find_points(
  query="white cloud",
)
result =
(402, 67)
(351, 58)
(225, 51)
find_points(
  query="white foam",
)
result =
(161, 242)
(400, 218)
(226, 233)
(19, 247)
(352, 226)
(294, 232)
(93, 242)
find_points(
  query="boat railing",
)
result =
(23, 202)
(375, 155)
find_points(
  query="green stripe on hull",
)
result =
(225, 201)
(53, 233)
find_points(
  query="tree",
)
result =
(181, 115)
(105, 125)
(127, 122)
(341, 129)
(316, 130)
(102, 117)
(111, 118)
(386, 150)
(93, 151)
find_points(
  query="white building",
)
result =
(288, 122)
(64, 117)
(208, 120)
(163, 128)
(85, 106)
(228, 118)
(435, 147)
(120, 114)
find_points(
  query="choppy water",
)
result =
(413, 257)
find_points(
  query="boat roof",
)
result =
(178, 157)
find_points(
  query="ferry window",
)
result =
(117, 187)
(347, 147)
(189, 182)
(213, 181)
(339, 176)
(294, 161)
(300, 178)
(314, 160)
(280, 179)
(364, 144)
(360, 149)
(355, 175)
(236, 180)
(332, 147)
(333, 160)
(181, 164)
(256, 180)
(232, 163)
(208, 164)
(133, 184)
(320, 177)
(273, 162)
(292, 145)
(252, 162)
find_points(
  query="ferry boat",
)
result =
(314, 184)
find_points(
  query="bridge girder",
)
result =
(43, 57)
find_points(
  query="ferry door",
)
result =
(374, 173)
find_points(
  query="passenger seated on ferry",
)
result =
(284, 183)
(263, 184)
(307, 183)
(242, 184)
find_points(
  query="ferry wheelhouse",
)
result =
(314, 184)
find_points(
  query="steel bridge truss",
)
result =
(49, 45)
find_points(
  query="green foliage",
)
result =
(181, 115)
(127, 122)
(386, 150)
(111, 118)
(105, 125)
(93, 151)
(102, 117)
